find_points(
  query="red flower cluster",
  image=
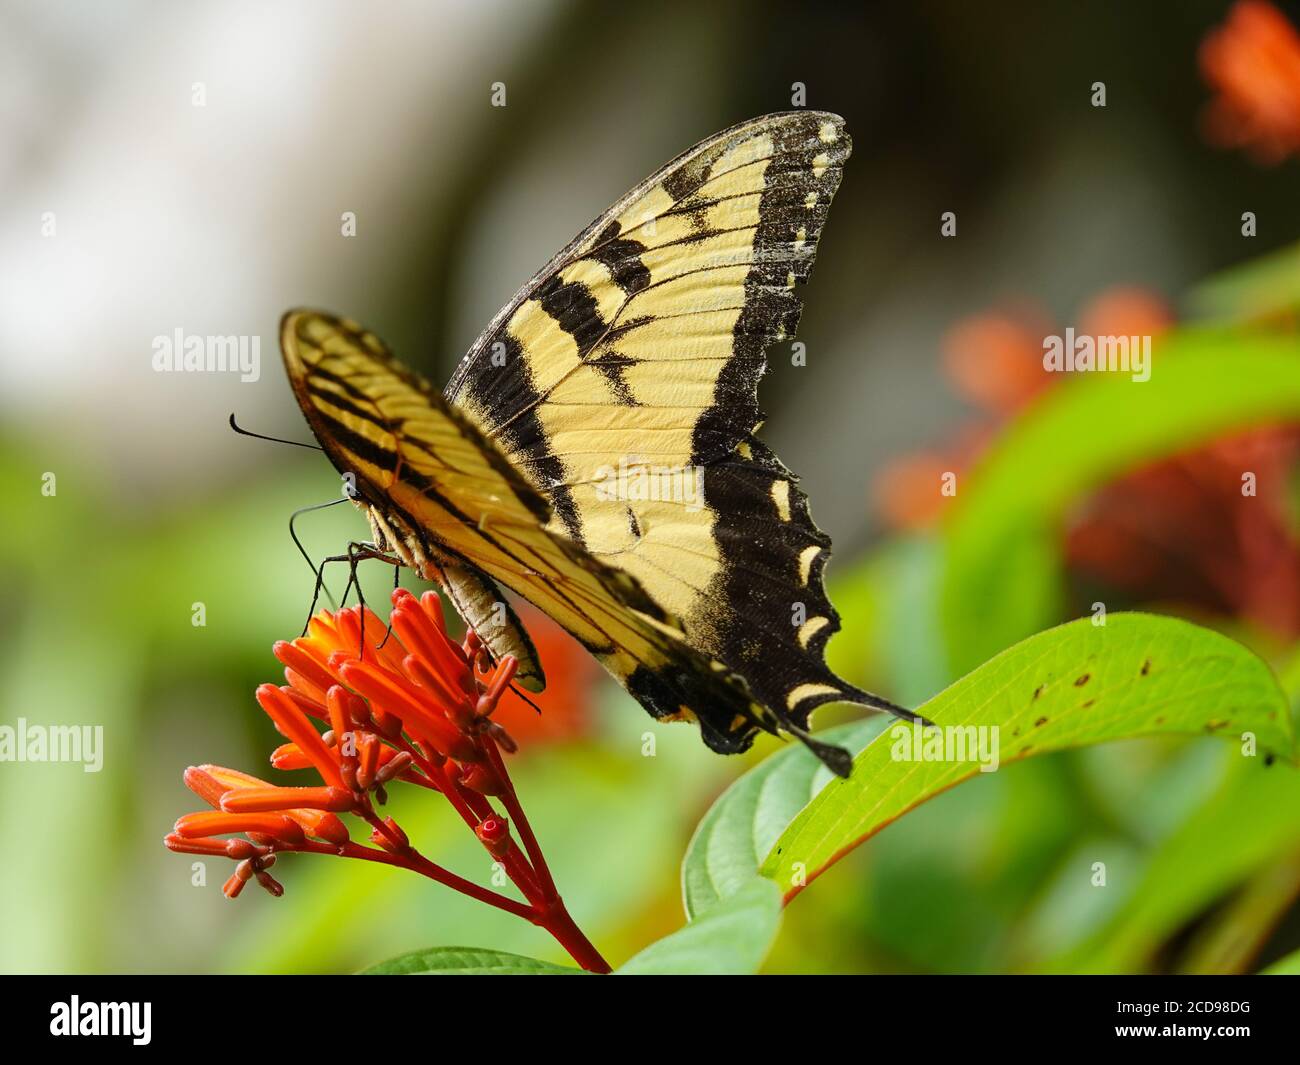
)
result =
(411, 706)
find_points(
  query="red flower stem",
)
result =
(418, 863)
(473, 808)
(567, 933)
(547, 909)
(516, 811)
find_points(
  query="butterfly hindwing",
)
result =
(633, 358)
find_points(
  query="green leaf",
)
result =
(731, 939)
(467, 961)
(1071, 686)
(1288, 966)
(1002, 575)
(1243, 828)
(1264, 286)
(740, 828)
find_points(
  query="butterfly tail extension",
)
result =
(874, 702)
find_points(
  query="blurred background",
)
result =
(187, 166)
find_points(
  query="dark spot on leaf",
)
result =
(1269, 759)
(1216, 724)
(1146, 667)
(1040, 722)
(1015, 731)
(1083, 680)
(1039, 690)
(1084, 706)
(1026, 749)
(1160, 721)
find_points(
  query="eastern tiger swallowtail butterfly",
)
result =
(595, 452)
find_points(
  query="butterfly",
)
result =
(595, 451)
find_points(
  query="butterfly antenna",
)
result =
(274, 439)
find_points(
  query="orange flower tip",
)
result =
(290, 756)
(202, 845)
(483, 779)
(330, 829)
(395, 766)
(217, 823)
(306, 704)
(232, 887)
(273, 886)
(245, 869)
(269, 800)
(204, 785)
(239, 849)
(472, 649)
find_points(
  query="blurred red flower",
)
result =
(566, 704)
(1253, 63)
(1178, 530)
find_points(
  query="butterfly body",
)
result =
(595, 451)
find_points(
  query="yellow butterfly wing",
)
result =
(633, 358)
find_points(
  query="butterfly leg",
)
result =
(357, 552)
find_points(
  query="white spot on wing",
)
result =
(806, 559)
(781, 497)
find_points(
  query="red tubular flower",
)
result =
(406, 706)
